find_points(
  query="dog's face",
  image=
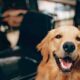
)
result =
(62, 44)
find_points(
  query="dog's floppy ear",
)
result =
(43, 46)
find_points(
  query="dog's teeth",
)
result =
(65, 65)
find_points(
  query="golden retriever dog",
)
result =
(61, 55)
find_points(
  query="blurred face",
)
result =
(14, 21)
(12, 17)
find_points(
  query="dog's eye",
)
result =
(58, 36)
(78, 38)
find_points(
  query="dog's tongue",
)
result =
(65, 64)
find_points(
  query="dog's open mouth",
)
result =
(65, 64)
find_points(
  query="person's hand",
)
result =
(13, 13)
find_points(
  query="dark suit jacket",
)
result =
(34, 28)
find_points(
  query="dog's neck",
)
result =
(59, 75)
(68, 76)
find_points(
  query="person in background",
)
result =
(77, 14)
(33, 27)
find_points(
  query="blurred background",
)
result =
(63, 11)
(60, 9)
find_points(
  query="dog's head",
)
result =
(63, 45)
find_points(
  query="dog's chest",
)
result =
(66, 77)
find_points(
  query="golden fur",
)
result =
(48, 68)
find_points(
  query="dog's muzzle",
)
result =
(65, 64)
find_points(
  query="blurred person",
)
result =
(33, 26)
(77, 14)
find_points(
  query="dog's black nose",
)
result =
(69, 47)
